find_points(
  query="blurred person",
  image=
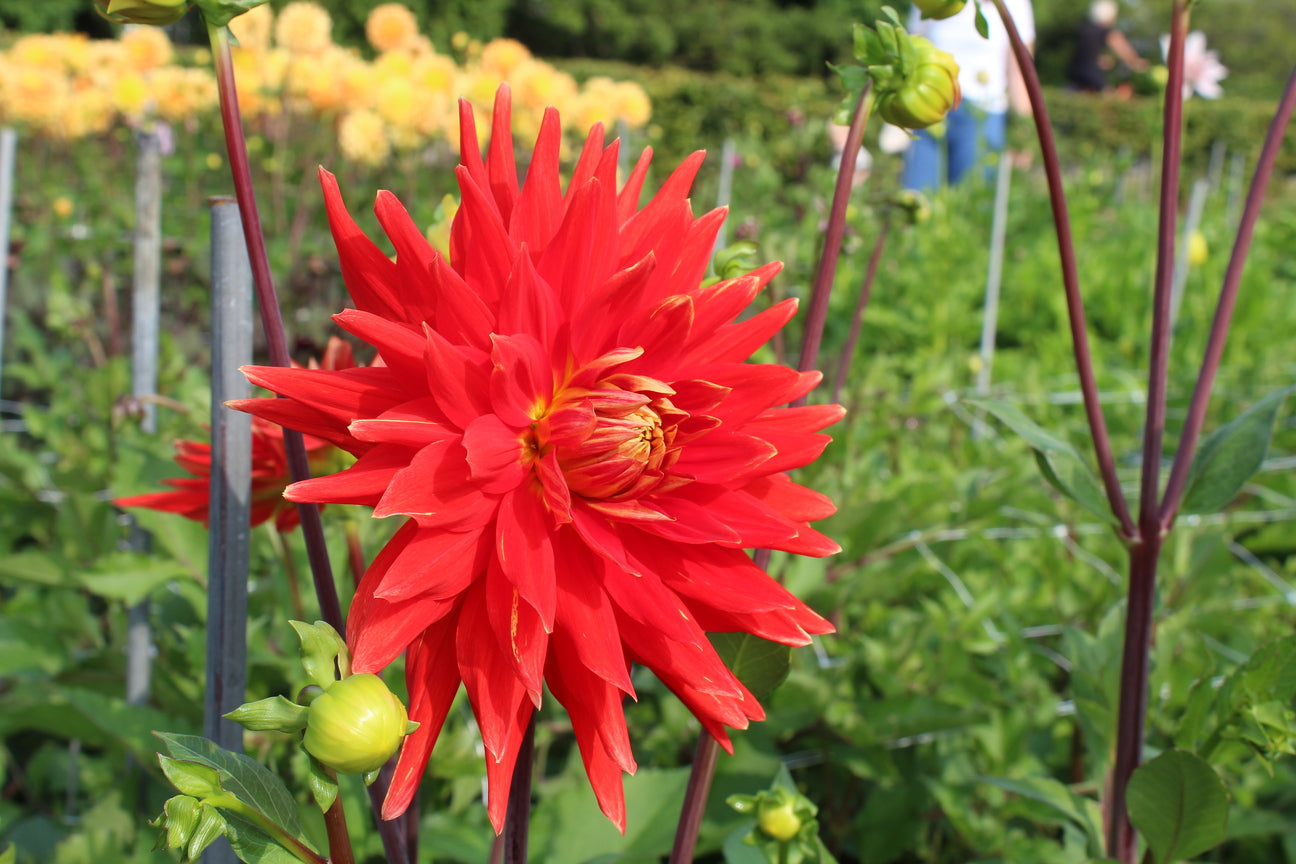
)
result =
(991, 82)
(1091, 60)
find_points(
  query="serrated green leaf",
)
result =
(253, 845)
(1056, 795)
(243, 777)
(1059, 462)
(1232, 455)
(761, 665)
(1179, 805)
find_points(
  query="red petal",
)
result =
(362, 483)
(369, 275)
(501, 166)
(432, 676)
(495, 454)
(436, 488)
(521, 379)
(522, 636)
(524, 549)
(539, 207)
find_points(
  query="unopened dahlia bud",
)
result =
(778, 818)
(159, 13)
(923, 90)
(940, 8)
(355, 725)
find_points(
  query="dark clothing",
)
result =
(1084, 71)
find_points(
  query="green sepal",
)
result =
(178, 821)
(210, 826)
(371, 776)
(323, 653)
(275, 714)
(218, 13)
(323, 785)
(411, 726)
(191, 778)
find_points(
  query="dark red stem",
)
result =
(1122, 841)
(695, 798)
(822, 292)
(1070, 280)
(857, 322)
(1224, 308)
(517, 822)
(1159, 361)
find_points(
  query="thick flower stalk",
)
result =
(564, 415)
(191, 496)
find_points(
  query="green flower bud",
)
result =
(777, 817)
(156, 12)
(356, 725)
(925, 89)
(940, 8)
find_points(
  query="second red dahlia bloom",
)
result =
(567, 419)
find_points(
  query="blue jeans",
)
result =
(970, 134)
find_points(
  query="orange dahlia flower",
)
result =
(191, 496)
(566, 418)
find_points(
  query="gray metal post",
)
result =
(146, 288)
(231, 478)
(994, 278)
(8, 147)
(725, 192)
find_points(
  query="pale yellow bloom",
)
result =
(130, 94)
(391, 27)
(632, 104)
(363, 138)
(303, 27)
(62, 207)
(180, 93)
(146, 47)
(597, 103)
(252, 29)
(501, 56)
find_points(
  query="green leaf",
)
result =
(1231, 456)
(1055, 794)
(982, 25)
(323, 785)
(252, 844)
(243, 777)
(759, 664)
(218, 13)
(1179, 805)
(191, 778)
(1059, 462)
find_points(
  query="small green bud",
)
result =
(159, 13)
(777, 817)
(355, 725)
(921, 89)
(178, 821)
(191, 778)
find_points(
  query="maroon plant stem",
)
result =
(1224, 309)
(1070, 280)
(271, 319)
(339, 841)
(517, 822)
(695, 798)
(1159, 361)
(857, 323)
(1122, 842)
(822, 292)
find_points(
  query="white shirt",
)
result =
(983, 63)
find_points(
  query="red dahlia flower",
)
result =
(566, 419)
(191, 496)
